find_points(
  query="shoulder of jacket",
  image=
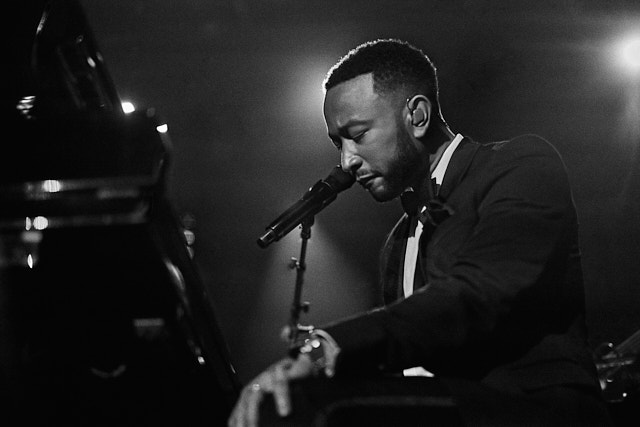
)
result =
(523, 144)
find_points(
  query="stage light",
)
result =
(40, 222)
(128, 107)
(51, 186)
(629, 53)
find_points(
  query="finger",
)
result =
(301, 367)
(281, 389)
(232, 420)
(285, 333)
(240, 415)
(237, 415)
(252, 405)
(236, 419)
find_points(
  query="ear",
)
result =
(419, 114)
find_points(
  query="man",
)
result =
(481, 277)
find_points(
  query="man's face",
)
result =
(374, 143)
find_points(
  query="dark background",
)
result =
(239, 84)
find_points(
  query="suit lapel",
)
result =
(393, 260)
(456, 169)
(395, 246)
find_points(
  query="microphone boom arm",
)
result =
(297, 306)
(302, 213)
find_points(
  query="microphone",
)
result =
(313, 201)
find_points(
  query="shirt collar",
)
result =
(441, 167)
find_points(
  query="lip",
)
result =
(365, 181)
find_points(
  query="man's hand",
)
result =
(274, 380)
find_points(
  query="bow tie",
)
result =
(432, 212)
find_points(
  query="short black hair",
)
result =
(397, 67)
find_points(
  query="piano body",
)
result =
(104, 318)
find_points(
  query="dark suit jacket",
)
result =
(504, 300)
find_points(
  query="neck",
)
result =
(437, 138)
(443, 141)
(436, 142)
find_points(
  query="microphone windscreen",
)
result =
(339, 180)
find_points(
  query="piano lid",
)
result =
(71, 148)
(105, 318)
(67, 67)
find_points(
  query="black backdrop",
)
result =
(239, 84)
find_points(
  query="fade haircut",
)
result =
(398, 68)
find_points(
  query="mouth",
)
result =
(365, 181)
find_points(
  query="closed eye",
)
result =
(359, 136)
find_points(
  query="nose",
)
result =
(350, 161)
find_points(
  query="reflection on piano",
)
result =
(104, 319)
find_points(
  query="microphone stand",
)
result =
(297, 306)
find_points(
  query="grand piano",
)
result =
(104, 317)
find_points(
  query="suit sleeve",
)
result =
(502, 288)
